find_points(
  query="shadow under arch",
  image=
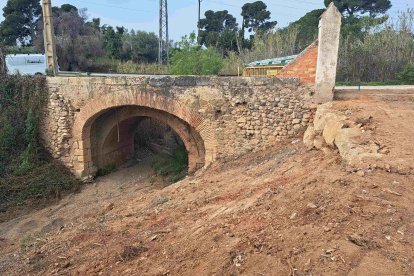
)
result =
(124, 119)
(195, 132)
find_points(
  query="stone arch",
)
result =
(195, 132)
(191, 139)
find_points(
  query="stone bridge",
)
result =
(91, 121)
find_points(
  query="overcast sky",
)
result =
(143, 14)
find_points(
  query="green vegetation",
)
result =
(305, 29)
(106, 170)
(232, 65)
(218, 30)
(352, 8)
(130, 67)
(256, 18)
(140, 47)
(190, 59)
(407, 74)
(175, 167)
(26, 170)
(112, 41)
(21, 50)
(20, 23)
(373, 47)
(378, 53)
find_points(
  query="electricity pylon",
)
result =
(163, 51)
(199, 15)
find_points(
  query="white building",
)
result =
(26, 64)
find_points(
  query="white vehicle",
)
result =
(31, 64)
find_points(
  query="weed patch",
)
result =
(175, 167)
(106, 170)
(26, 169)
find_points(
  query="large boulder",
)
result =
(323, 114)
(354, 149)
(332, 127)
(309, 137)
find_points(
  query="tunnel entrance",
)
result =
(157, 143)
(130, 135)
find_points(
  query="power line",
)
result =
(112, 6)
(278, 14)
(274, 5)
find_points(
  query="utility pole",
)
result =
(49, 37)
(163, 49)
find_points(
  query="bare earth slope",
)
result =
(288, 211)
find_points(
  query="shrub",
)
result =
(191, 59)
(232, 65)
(175, 167)
(21, 50)
(407, 74)
(26, 170)
(106, 170)
(130, 67)
(379, 54)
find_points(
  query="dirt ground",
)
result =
(287, 211)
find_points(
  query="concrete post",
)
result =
(328, 47)
(49, 38)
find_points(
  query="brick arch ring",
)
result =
(156, 105)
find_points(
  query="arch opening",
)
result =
(127, 135)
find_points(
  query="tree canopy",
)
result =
(64, 8)
(218, 29)
(20, 21)
(351, 8)
(256, 17)
(307, 28)
(112, 40)
(140, 46)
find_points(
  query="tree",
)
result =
(356, 22)
(20, 21)
(64, 8)
(219, 30)
(256, 17)
(307, 28)
(112, 40)
(78, 44)
(351, 8)
(190, 59)
(140, 46)
(95, 24)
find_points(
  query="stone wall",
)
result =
(231, 115)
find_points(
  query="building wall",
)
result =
(303, 67)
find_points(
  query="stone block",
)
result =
(331, 130)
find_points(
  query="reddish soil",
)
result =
(287, 211)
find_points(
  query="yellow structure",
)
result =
(256, 71)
